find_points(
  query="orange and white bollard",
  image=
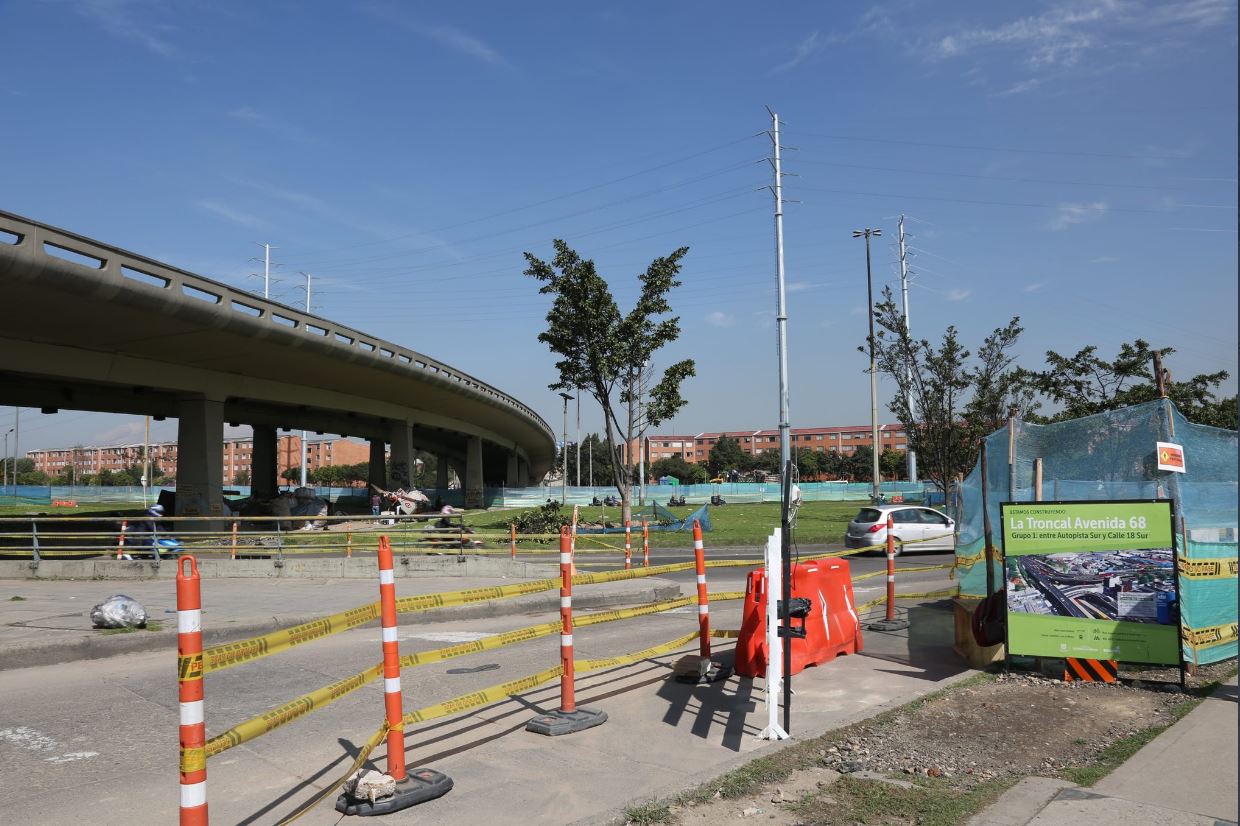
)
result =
(391, 663)
(190, 694)
(348, 546)
(703, 671)
(645, 544)
(628, 545)
(890, 623)
(568, 718)
(120, 542)
(234, 540)
(891, 569)
(512, 540)
(412, 787)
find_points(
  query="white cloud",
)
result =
(1104, 259)
(1069, 215)
(234, 215)
(1033, 287)
(131, 20)
(720, 319)
(453, 38)
(805, 50)
(801, 286)
(1020, 88)
(265, 121)
(958, 294)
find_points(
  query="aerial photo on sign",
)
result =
(1116, 585)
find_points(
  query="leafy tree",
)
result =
(604, 352)
(292, 474)
(767, 461)
(591, 445)
(860, 463)
(726, 455)
(809, 462)
(1085, 383)
(241, 477)
(891, 463)
(687, 473)
(935, 381)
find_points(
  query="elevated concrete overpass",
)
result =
(87, 326)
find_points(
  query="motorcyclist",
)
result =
(146, 532)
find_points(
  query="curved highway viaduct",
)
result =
(87, 326)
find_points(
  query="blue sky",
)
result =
(1073, 163)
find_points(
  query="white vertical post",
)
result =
(774, 644)
(781, 313)
(910, 456)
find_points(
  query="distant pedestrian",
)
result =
(376, 503)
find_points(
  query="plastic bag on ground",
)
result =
(118, 611)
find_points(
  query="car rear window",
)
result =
(868, 515)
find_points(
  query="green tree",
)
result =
(685, 472)
(594, 453)
(809, 462)
(859, 465)
(726, 455)
(291, 474)
(891, 463)
(605, 353)
(242, 477)
(936, 383)
(1084, 384)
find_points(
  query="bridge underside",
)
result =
(79, 337)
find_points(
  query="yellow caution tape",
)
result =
(219, 657)
(362, 757)
(584, 666)
(1207, 637)
(193, 760)
(724, 596)
(426, 602)
(1208, 568)
(485, 644)
(290, 711)
(483, 697)
(949, 592)
(725, 633)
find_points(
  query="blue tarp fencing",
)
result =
(1111, 456)
(659, 518)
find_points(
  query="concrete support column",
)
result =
(473, 473)
(263, 471)
(200, 457)
(400, 467)
(377, 475)
(441, 474)
(523, 473)
(511, 480)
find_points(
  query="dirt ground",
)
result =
(964, 745)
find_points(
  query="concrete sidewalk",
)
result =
(43, 622)
(1185, 777)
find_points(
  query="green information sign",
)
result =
(1094, 580)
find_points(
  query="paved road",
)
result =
(96, 742)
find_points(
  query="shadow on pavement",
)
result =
(927, 645)
(726, 702)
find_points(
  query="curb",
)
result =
(100, 647)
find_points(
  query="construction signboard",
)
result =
(1094, 580)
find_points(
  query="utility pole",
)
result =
(564, 483)
(267, 248)
(146, 460)
(304, 433)
(869, 295)
(910, 456)
(781, 313)
(578, 437)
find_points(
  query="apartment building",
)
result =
(843, 440)
(238, 455)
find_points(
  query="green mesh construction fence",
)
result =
(1111, 456)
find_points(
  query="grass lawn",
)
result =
(748, 524)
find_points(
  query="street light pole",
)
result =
(875, 447)
(564, 479)
(7, 462)
(578, 437)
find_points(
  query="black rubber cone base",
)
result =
(555, 723)
(419, 786)
(888, 625)
(696, 671)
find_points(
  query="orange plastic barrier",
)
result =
(832, 627)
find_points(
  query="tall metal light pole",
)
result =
(579, 437)
(7, 462)
(869, 298)
(564, 484)
(910, 455)
(781, 313)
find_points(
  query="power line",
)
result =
(973, 148)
